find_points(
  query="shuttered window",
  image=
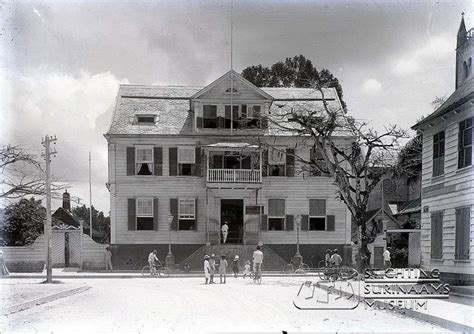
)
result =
(276, 214)
(465, 143)
(463, 231)
(437, 235)
(186, 214)
(209, 116)
(438, 154)
(144, 160)
(317, 214)
(277, 161)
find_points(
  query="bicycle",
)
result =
(161, 271)
(291, 268)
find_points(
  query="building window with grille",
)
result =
(186, 214)
(438, 154)
(465, 143)
(231, 118)
(186, 160)
(276, 161)
(144, 160)
(209, 116)
(276, 214)
(144, 213)
(317, 215)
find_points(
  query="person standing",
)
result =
(108, 259)
(225, 231)
(212, 264)
(235, 266)
(386, 259)
(327, 258)
(223, 268)
(247, 269)
(207, 269)
(3, 267)
(257, 262)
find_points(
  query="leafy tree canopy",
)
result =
(22, 222)
(293, 72)
(100, 222)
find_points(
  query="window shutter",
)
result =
(263, 122)
(462, 234)
(174, 213)
(265, 163)
(304, 222)
(289, 223)
(290, 162)
(173, 161)
(131, 214)
(158, 157)
(130, 160)
(437, 235)
(196, 214)
(197, 162)
(264, 223)
(331, 223)
(199, 122)
(155, 214)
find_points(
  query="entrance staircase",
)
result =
(271, 260)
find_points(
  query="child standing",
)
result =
(212, 264)
(223, 268)
(207, 268)
(247, 269)
(235, 266)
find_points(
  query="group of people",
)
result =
(210, 266)
(332, 258)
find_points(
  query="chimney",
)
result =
(66, 201)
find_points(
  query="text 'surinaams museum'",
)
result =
(178, 151)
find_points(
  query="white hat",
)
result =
(236, 256)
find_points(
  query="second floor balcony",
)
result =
(233, 163)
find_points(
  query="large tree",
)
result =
(292, 72)
(22, 222)
(100, 222)
(356, 168)
(23, 174)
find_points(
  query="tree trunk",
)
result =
(363, 255)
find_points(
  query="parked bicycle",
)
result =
(161, 271)
(296, 267)
(333, 273)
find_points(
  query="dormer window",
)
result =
(146, 119)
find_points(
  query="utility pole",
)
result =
(47, 229)
(90, 197)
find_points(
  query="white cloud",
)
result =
(76, 108)
(371, 86)
(429, 55)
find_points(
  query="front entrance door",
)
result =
(232, 212)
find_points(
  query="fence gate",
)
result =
(66, 246)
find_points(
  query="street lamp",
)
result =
(169, 260)
(298, 226)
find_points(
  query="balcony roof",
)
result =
(228, 146)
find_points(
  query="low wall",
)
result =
(93, 254)
(29, 258)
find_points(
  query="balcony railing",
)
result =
(234, 175)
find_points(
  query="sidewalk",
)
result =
(61, 273)
(444, 313)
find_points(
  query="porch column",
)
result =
(207, 216)
(261, 165)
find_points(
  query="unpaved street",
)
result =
(186, 305)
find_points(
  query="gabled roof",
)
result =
(463, 94)
(235, 76)
(171, 106)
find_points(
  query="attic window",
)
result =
(146, 119)
(233, 90)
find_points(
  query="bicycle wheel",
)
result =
(288, 269)
(146, 271)
(322, 264)
(323, 273)
(310, 264)
(304, 268)
(164, 272)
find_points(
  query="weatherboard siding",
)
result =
(453, 189)
(295, 190)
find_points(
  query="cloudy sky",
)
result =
(61, 62)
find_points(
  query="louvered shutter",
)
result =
(158, 160)
(289, 223)
(304, 222)
(130, 160)
(174, 213)
(155, 214)
(131, 214)
(290, 162)
(173, 161)
(331, 223)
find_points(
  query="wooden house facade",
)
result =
(184, 160)
(447, 197)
